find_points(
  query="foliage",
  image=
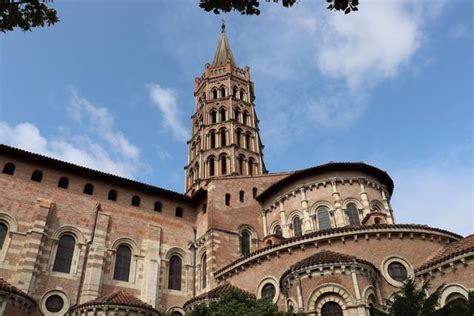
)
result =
(414, 301)
(237, 303)
(25, 14)
(250, 7)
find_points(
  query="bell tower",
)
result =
(225, 139)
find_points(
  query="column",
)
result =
(264, 219)
(34, 241)
(284, 226)
(386, 205)
(299, 294)
(93, 273)
(339, 212)
(151, 249)
(307, 225)
(364, 198)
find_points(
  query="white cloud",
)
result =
(102, 122)
(370, 45)
(165, 100)
(27, 136)
(102, 148)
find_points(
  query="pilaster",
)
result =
(307, 224)
(339, 212)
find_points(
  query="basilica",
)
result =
(317, 241)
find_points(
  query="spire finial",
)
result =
(223, 26)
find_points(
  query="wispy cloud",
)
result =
(103, 148)
(102, 122)
(460, 30)
(166, 101)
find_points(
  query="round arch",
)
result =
(126, 241)
(180, 252)
(452, 288)
(330, 290)
(74, 231)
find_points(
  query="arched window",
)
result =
(242, 196)
(251, 163)
(223, 138)
(88, 189)
(375, 208)
(136, 200)
(212, 170)
(204, 271)
(234, 92)
(241, 94)
(214, 93)
(179, 212)
(37, 176)
(112, 195)
(236, 115)
(212, 135)
(213, 116)
(238, 136)
(223, 165)
(158, 206)
(297, 226)
(63, 183)
(227, 199)
(241, 165)
(277, 231)
(247, 141)
(222, 92)
(123, 259)
(244, 118)
(324, 221)
(64, 254)
(222, 112)
(174, 275)
(245, 243)
(3, 234)
(9, 168)
(331, 309)
(352, 214)
(254, 192)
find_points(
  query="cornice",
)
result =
(343, 234)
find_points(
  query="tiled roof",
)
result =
(381, 175)
(325, 256)
(339, 230)
(217, 293)
(449, 251)
(84, 171)
(117, 298)
(7, 287)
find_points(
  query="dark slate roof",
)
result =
(223, 51)
(449, 251)
(7, 287)
(217, 293)
(381, 175)
(339, 230)
(326, 256)
(117, 298)
(99, 175)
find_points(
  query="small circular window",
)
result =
(268, 291)
(397, 271)
(54, 303)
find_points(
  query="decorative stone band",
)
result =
(14, 296)
(342, 234)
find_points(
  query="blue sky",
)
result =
(111, 87)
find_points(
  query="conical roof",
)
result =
(223, 51)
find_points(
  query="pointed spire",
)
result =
(223, 51)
